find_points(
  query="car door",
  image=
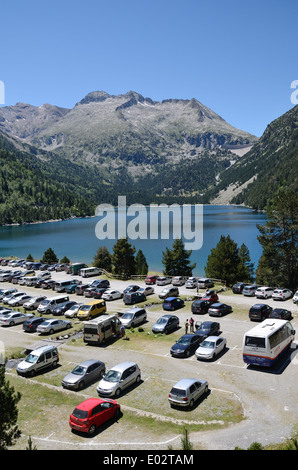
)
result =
(41, 362)
(199, 389)
(219, 345)
(128, 376)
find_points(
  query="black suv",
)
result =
(200, 306)
(259, 312)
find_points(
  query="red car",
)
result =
(94, 412)
(211, 296)
(151, 280)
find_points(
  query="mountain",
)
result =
(270, 165)
(105, 130)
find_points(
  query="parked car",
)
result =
(5, 292)
(259, 312)
(186, 345)
(151, 280)
(134, 298)
(72, 311)
(191, 283)
(79, 290)
(31, 324)
(14, 318)
(210, 347)
(264, 292)
(90, 291)
(178, 281)
(166, 324)
(133, 317)
(99, 283)
(281, 294)
(211, 296)
(250, 290)
(163, 280)
(97, 294)
(238, 287)
(187, 391)
(11, 296)
(83, 374)
(49, 284)
(71, 289)
(39, 359)
(119, 378)
(207, 328)
(17, 301)
(146, 290)
(219, 309)
(111, 294)
(52, 325)
(169, 292)
(130, 289)
(200, 306)
(172, 303)
(62, 308)
(92, 413)
(205, 282)
(295, 297)
(280, 313)
(34, 302)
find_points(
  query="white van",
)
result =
(100, 329)
(48, 305)
(88, 272)
(40, 358)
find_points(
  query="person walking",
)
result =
(186, 326)
(191, 324)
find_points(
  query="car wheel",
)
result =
(81, 384)
(51, 331)
(32, 373)
(54, 364)
(68, 325)
(48, 311)
(92, 430)
(138, 379)
(191, 403)
(117, 393)
(206, 389)
(11, 323)
(187, 354)
(117, 414)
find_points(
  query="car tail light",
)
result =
(185, 399)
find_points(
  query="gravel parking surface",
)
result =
(268, 398)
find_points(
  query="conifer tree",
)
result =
(176, 261)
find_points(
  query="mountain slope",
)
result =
(125, 128)
(270, 165)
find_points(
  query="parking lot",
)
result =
(244, 404)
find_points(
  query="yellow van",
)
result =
(92, 309)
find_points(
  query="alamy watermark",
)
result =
(2, 92)
(294, 94)
(157, 221)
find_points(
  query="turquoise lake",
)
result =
(76, 238)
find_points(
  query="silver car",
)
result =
(14, 318)
(210, 347)
(133, 316)
(52, 325)
(187, 391)
(118, 378)
(84, 374)
(19, 300)
(34, 302)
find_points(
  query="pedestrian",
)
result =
(186, 326)
(191, 324)
(122, 331)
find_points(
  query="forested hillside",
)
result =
(271, 164)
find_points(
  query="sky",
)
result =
(237, 57)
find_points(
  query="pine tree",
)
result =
(123, 258)
(103, 259)
(49, 257)
(9, 430)
(278, 264)
(177, 260)
(141, 263)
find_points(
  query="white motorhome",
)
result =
(100, 329)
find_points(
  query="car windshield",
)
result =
(161, 321)
(207, 344)
(31, 358)
(85, 308)
(45, 323)
(79, 370)
(113, 376)
(45, 302)
(183, 340)
(127, 315)
(81, 414)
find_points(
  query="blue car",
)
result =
(172, 303)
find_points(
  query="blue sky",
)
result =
(237, 57)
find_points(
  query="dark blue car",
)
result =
(172, 303)
(186, 345)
